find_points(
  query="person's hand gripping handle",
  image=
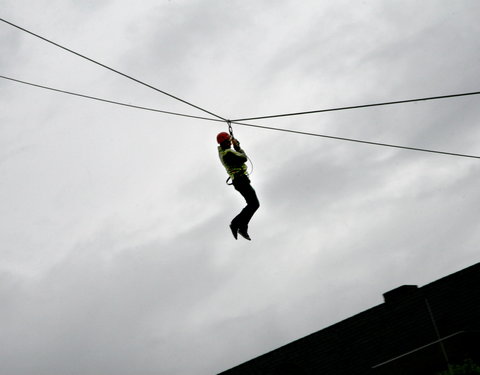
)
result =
(236, 144)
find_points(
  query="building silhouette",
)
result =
(416, 331)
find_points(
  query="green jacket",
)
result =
(233, 161)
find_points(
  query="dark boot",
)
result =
(234, 230)
(244, 233)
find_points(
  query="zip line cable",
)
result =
(249, 125)
(356, 140)
(109, 101)
(238, 121)
(357, 106)
(111, 69)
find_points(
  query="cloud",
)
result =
(116, 253)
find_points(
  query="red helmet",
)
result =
(222, 137)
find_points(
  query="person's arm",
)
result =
(237, 157)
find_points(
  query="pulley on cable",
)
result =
(230, 129)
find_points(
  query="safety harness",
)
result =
(232, 170)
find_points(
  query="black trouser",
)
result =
(242, 185)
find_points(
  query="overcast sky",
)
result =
(115, 252)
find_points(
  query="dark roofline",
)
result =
(423, 289)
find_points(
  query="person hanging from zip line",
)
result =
(234, 162)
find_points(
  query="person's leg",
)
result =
(242, 185)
